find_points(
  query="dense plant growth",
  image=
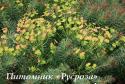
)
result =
(52, 37)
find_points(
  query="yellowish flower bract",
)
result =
(82, 55)
(122, 38)
(37, 52)
(94, 66)
(1, 50)
(88, 64)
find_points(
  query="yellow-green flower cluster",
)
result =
(94, 34)
(64, 15)
(60, 8)
(79, 52)
(19, 3)
(90, 66)
(5, 50)
(31, 30)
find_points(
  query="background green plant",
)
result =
(105, 12)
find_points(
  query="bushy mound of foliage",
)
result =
(60, 40)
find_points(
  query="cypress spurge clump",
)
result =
(60, 36)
